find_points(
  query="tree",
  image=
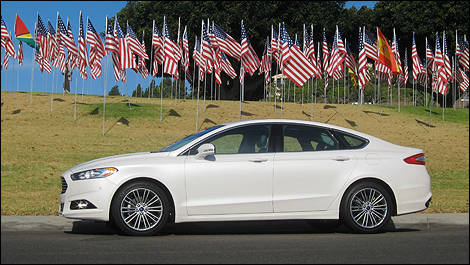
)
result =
(114, 91)
(137, 92)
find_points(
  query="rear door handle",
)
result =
(258, 160)
(341, 158)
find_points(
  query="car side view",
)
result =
(270, 169)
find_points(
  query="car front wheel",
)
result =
(367, 208)
(140, 208)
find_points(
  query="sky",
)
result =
(18, 78)
(359, 4)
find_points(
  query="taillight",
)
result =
(417, 159)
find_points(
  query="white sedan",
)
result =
(270, 169)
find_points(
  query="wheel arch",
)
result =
(377, 181)
(152, 180)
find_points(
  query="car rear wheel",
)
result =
(366, 208)
(140, 208)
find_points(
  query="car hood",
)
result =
(117, 160)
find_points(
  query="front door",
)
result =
(237, 179)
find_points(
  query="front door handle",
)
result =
(258, 160)
(341, 158)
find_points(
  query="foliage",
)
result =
(425, 18)
(114, 91)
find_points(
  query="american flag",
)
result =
(215, 51)
(59, 61)
(133, 43)
(125, 55)
(416, 62)
(51, 42)
(170, 64)
(405, 70)
(227, 67)
(350, 61)
(94, 39)
(275, 44)
(20, 53)
(338, 73)
(72, 59)
(325, 52)
(266, 61)
(197, 56)
(66, 39)
(463, 57)
(97, 50)
(41, 39)
(310, 54)
(338, 53)
(186, 50)
(6, 59)
(228, 45)
(249, 58)
(7, 44)
(446, 58)
(206, 50)
(362, 71)
(141, 62)
(370, 45)
(463, 80)
(439, 65)
(82, 56)
(297, 68)
(429, 56)
(112, 46)
(157, 43)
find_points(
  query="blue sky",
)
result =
(359, 4)
(19, 78)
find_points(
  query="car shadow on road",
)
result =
(228, 228)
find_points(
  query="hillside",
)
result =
(38, 145)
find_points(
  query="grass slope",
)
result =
(38, 145)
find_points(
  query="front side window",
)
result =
(187, 139)
(241, 140)
(298, 138)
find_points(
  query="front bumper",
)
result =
(97, 191)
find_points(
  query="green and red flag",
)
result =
(22, 33)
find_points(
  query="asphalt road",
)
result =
(239, 242)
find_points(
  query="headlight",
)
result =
(94, 173)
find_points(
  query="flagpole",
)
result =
(106, 81)
(454, 91)
(198, 86)
(32, 63)
(151, 60)
(163, 70)
(194, 71)
(344, 77)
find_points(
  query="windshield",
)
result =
(187, 139)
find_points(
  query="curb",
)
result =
(55, 223)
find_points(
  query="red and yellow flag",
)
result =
(385, 53)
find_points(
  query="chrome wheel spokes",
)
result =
(141, 209)
(368, 208)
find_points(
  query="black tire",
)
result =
(154, 224)
(351, 211)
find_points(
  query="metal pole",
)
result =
(75, 100)
(198, 86)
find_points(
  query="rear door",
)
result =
(310, 169)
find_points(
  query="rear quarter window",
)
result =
(350, 141)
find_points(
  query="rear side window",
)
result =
(350, 141)
(300, 138)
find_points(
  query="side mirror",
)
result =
(205, 150)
